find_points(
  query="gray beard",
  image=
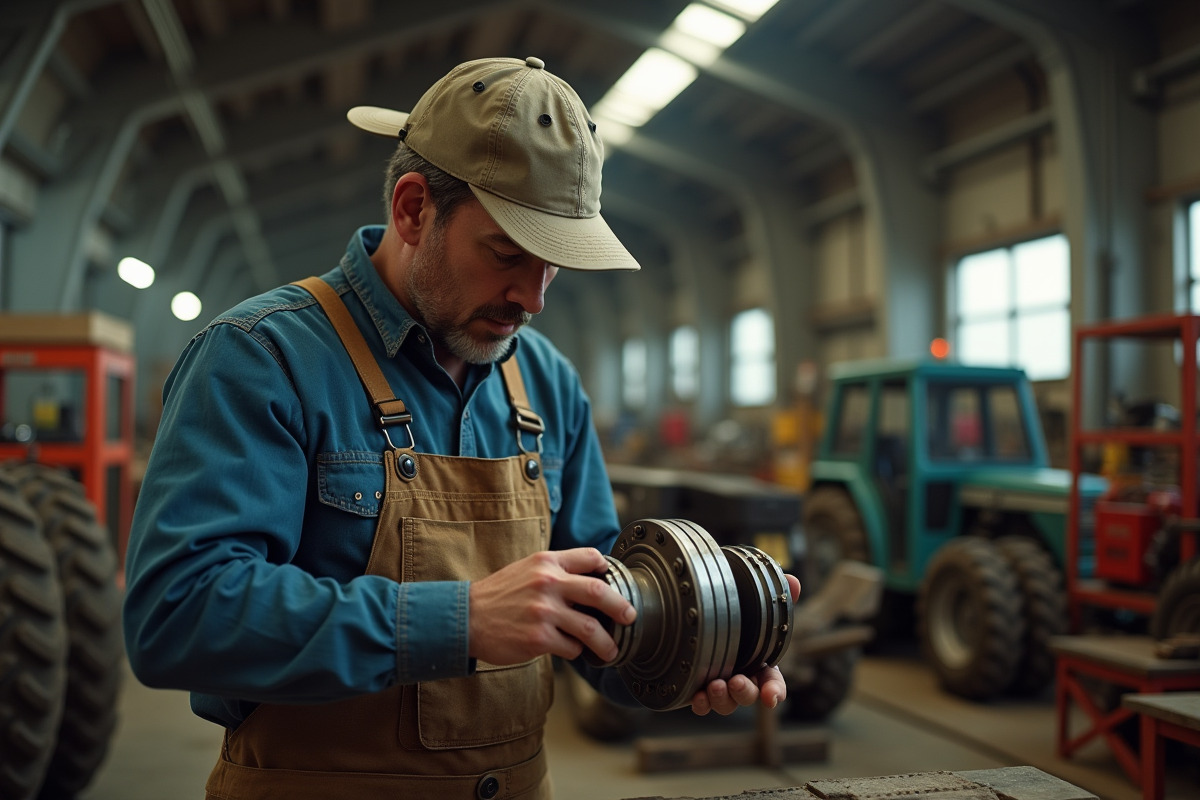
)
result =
(462, 345)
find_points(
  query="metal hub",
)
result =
(704, 611)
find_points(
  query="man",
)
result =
(375, 500)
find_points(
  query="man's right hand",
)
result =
(528, 609)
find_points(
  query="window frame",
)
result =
(1013, 313)
(1191, 254)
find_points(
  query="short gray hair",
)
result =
(447, 191)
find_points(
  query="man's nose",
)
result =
(529, 290)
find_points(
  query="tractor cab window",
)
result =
(1009, 441)
(891, 431)
(975, 423)
(852, 411)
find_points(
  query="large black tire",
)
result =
(87, 565)
(1178, 606)
(969, 618)
(1043, 606)
(33, 647)
(833, 532)
(831, 678)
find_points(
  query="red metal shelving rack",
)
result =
(1184, 328)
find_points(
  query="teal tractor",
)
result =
(937, 473)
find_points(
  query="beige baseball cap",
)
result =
(523, 140)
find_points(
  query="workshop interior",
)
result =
(917, 322)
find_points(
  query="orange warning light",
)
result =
(939, 347)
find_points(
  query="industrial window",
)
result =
(685, 362)
(1192, 290)
(1012, 307)
(752, 344)
(633, 373)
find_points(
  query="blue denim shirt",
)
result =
(256, 515)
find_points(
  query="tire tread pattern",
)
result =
(1044, 606)
(87, 564)
(33, 647)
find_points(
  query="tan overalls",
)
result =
(441, 518)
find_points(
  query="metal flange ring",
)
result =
(767, 608)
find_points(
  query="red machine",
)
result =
(1145, 528)
(66, 398)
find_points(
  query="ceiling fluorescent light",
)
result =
(623, 108)
(656, 78)
(749, 10)
(689, 48)
(709, 25)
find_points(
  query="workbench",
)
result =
(1175, 715)
(1128, 662)
(1006, 783)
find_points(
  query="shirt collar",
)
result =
(391, 319)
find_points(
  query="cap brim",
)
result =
(381, 121)
(583, 243)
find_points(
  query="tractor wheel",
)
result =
(33, 647)
(833, 532)
(832, 676)
(595, 714)
(87, 565)
(969, 618)
(1178, 606)
(1044, 606)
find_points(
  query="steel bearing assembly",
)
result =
(704, 611)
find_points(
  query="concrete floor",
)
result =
(895, 721)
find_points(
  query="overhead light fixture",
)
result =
(709, 25)
(697, 38)
(654, 80)
(135, 272)
(185, 306)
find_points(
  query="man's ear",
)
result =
(412, 207)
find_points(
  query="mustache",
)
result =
(509, 313)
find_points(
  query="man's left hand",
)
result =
(767, 687)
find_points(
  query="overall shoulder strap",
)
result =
(390, 409)
(527, 420)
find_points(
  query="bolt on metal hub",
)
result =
(704, 611)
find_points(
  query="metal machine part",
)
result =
(704, 611)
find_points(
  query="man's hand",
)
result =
(768, 685)
(528, 608)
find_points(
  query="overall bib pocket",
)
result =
(515, 698)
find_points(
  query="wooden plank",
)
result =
(1131, 654)
(92, 327)
(1179, 708)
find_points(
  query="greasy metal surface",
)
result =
(704, 612)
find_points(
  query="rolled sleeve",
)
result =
(432, 631)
